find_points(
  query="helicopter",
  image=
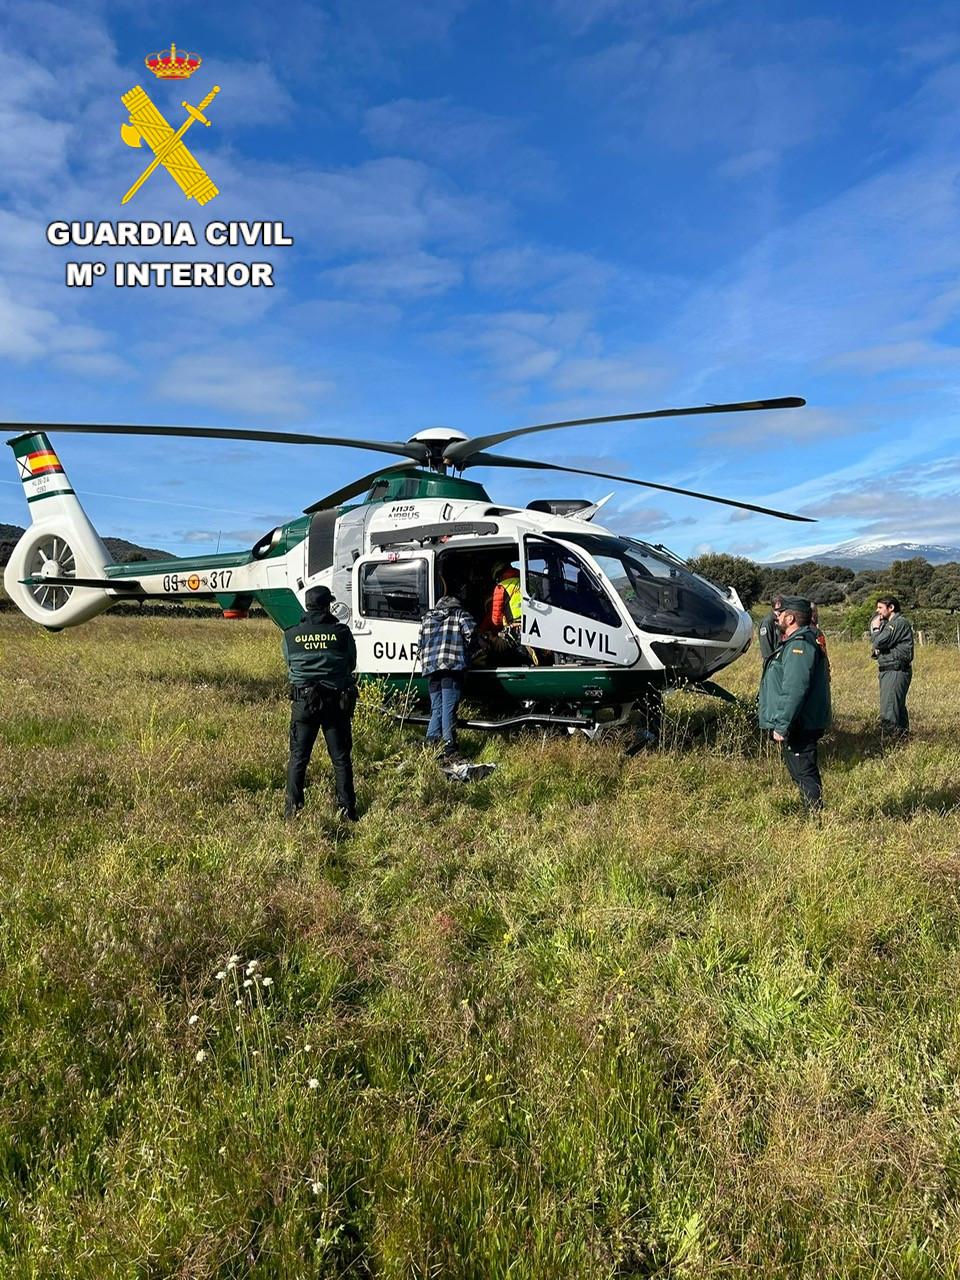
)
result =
(607, 623)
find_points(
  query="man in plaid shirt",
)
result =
(445, 635)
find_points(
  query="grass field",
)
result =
(590, 1017)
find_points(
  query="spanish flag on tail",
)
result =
(40, 469)
(41, 463)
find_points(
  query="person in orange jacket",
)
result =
(505, 608)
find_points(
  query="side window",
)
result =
(394, 589)
(556, 576)
(538, 568)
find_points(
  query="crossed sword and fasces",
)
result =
(168, 148)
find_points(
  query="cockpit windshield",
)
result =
(660, 594)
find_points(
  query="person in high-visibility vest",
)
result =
(505, 610)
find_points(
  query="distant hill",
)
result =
(869, 555)
(123, 552)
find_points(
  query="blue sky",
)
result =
(504, 213)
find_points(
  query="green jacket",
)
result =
(795, 689)
(769, 640)
(893, 644)
(320, 650)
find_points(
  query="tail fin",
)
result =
(59, 544)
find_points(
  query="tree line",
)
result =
(916, 582)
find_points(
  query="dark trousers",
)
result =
(445, 688)
(305, 723)
(799, 750)
(893, 700)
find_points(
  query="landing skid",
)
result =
(566, 720)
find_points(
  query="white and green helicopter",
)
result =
(607, 622)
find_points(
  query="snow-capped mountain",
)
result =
(868, 555)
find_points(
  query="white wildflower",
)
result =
(193, 1019)
(221, 1151)
(201, 1054)
(252, 967)
(307, 1048)
(221, 974)
(233, 962)
(313, 1083)
(316, 1187)
(248, 982)
(268, 982)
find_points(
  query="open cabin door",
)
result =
(391, 593)
(567, 608)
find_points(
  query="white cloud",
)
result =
(412, 275)
(383, 206)
(250, 93)
(555, 277)
(772, 429)
(220, 537)
(29, 332)
(874, 266)
(732, 86)
(455, 136)
(749, 163)
(581, 15)
(438, 129)
(240, 381)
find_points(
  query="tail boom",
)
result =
(60, 549)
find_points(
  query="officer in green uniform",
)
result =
(770, 640)
(321, 657)
(795, 698)
(893, 653)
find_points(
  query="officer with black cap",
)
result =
(795, 698)
(321, 657)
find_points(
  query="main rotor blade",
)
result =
(461, 450)
(409, 450)
(494, 460)
(352, 490)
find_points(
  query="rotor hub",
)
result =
(436, 441)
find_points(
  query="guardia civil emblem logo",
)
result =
(147, 124)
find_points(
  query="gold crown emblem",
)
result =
(173, 63)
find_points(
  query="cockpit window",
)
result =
(660, 594)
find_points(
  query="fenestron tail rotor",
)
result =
(50, 558)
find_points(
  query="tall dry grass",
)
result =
(589, 1017)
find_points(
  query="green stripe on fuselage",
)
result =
(228, 560)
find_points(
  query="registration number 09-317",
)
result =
(215, 580)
